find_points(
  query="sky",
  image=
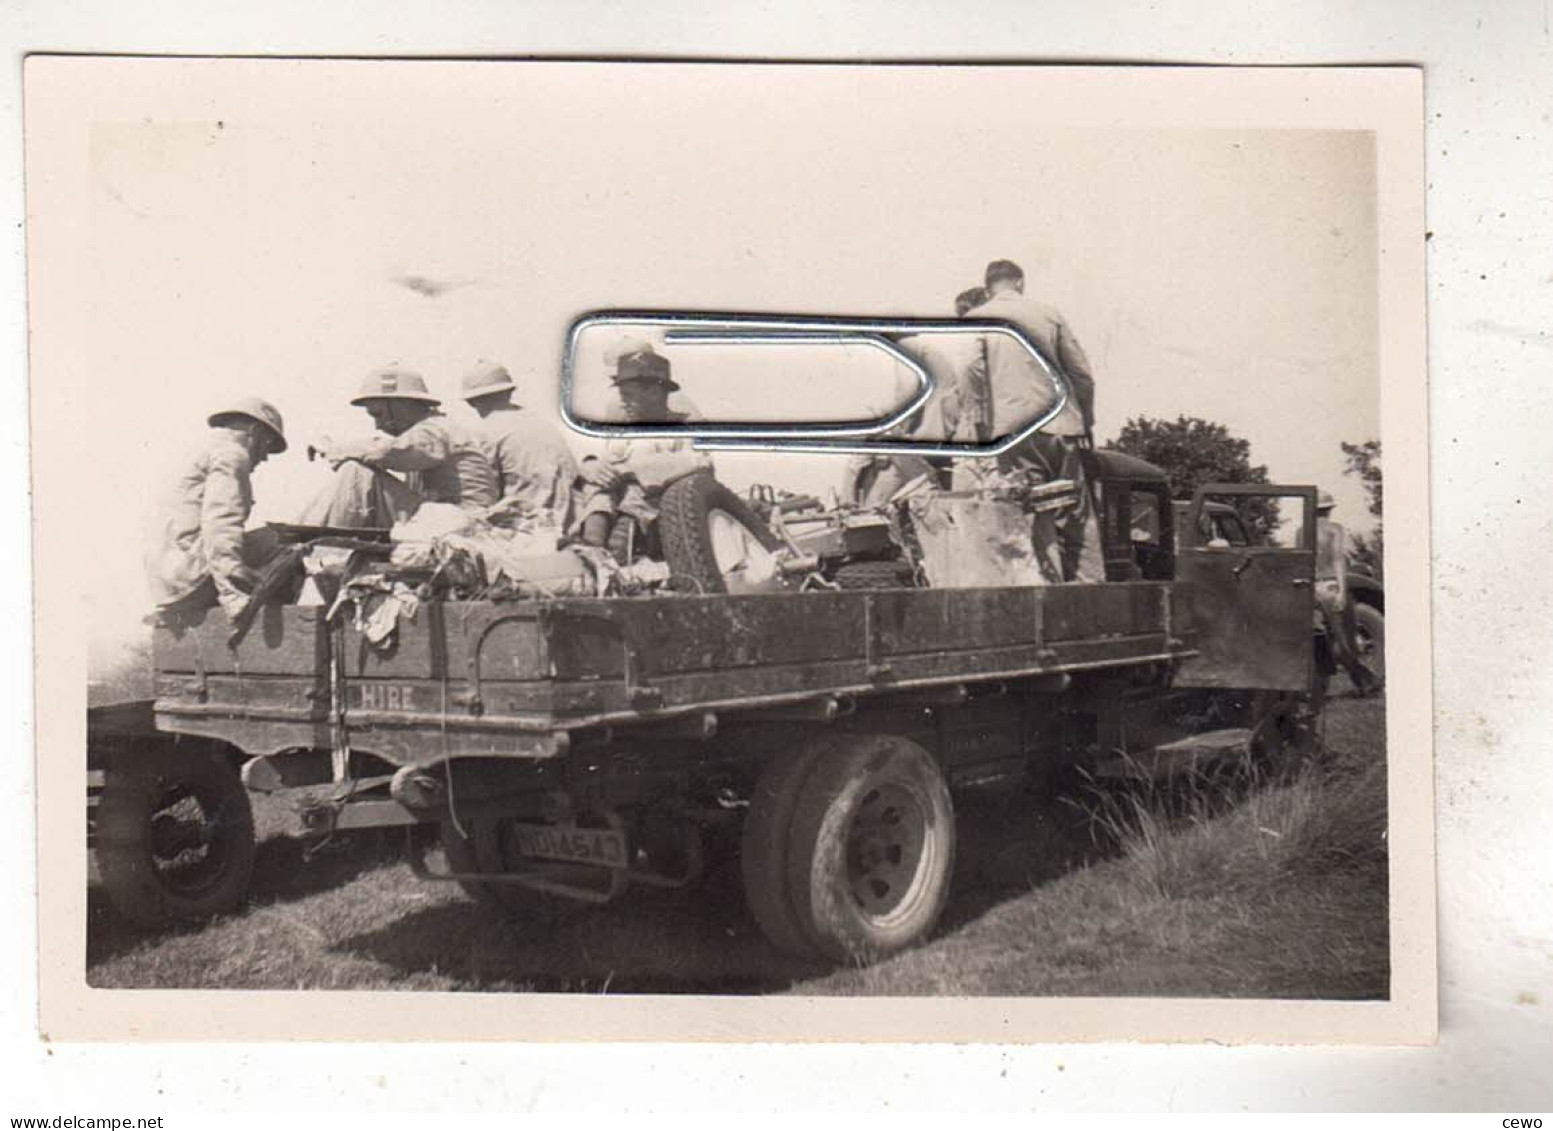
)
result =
(269, 230)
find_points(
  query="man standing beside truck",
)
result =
(200, 553)
(1019, 392)
(535, 471)
(1333, 603)
(442, 461)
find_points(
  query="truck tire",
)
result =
(1370, 639)
(870, 848)
(174, 835)
(712, 541)
(763, 851)
(894, 574)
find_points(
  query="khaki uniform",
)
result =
(1019, 392)
(950, 414)
(198, 546)
(1333, 608)
(442, 461)
(535, 471)
(648, 466)
(959, 409)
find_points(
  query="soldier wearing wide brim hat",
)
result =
(621, 483)
(394, 384)
(635, 360)
(1325, 502)
(260, 412)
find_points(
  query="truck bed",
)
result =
(514, 679)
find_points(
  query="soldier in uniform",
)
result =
(1333, 606)
(1019, 391)
(535, 470)
(441, 460)
(621, 482)
(957, 411)
(200, 553)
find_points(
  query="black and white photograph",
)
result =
(701, 537)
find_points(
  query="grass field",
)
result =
(1256, 889)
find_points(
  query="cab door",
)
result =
(1252, 606)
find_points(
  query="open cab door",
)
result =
(1252, 605)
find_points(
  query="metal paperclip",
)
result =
(847, 437)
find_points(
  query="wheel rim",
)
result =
(1365, 647)
(889, 853)
(745, 564)
(190, 840)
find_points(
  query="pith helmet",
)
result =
(1324, 501)
(485, 379)
(394, 385)
(640, 362)
(259, 411)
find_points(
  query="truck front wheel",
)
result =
(174, 835)
(864, 866)
(1369, 639)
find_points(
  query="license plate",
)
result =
(603, 847)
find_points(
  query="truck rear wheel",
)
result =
(763, 855)
(867, 853)
(174, 835)
(713, 540)
(1369, 638)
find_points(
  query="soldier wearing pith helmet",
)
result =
(417, 456)
(535, 471)
(200, 553)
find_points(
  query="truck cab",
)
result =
(1251, 598)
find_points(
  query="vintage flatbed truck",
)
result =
(568, 748)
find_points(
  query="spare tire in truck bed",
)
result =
(712, 541)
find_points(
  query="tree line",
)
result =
(1193, 452)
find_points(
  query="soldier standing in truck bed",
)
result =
(442, 460)
(1019, 392)
(955, 412)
